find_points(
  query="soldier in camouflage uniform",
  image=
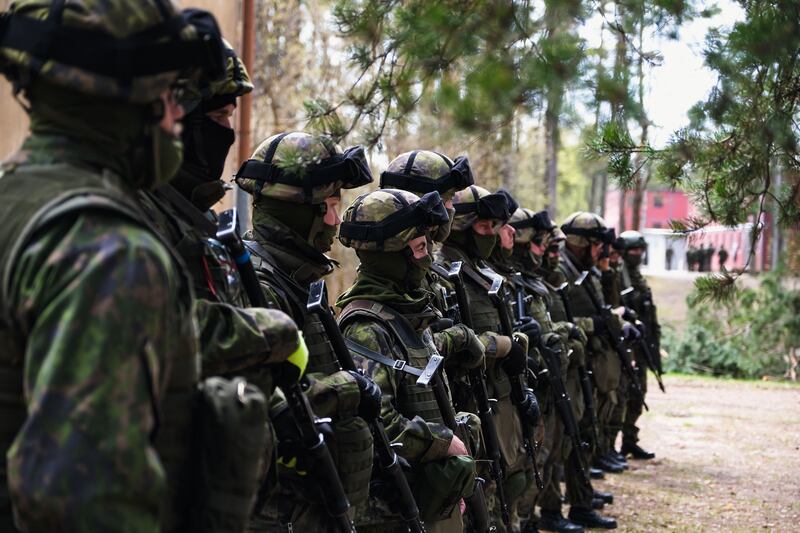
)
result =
(235, 338)
(479, 216)
(98, 349)
(295, 179)
(421, 172)
(388, 311)
(586, 234)
(633, 246)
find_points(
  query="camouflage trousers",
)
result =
(635, 407)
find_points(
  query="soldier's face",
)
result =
(538, 249)
(419, 246)
(484, 227)
(223, 116)
(173, 113)
(596, 248)
(634, 252)
(507, 233)
(332, 217)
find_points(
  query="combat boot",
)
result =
(606, 464)
(598, 504)
(619, 457)
(596, 473)
(605, 496)
(555, 521)
(590, 519)
(637, 452)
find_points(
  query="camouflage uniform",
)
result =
(641, 302)
(387, 311)
(286, 242)
(473, 250)
(602, 358)
(98, 352)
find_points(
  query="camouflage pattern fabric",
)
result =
(380, 204)
(123, 307)
(118, 18)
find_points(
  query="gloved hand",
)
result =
(530, 327)
(292, 369)
(515, 362)
(369, 407)
(577, 334)
(629, 332)
(599, 325)
(529, 409)
(466, 349)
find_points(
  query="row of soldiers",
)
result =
(159, 372)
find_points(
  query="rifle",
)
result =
(477, 382)
(616, 342)
(314, 446)
(389, 461)
(644, 346)
(583, 373)
(476, 504)
(562, 403)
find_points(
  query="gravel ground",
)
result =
(728, 459)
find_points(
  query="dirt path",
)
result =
(728, 459)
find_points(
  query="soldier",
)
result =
(235, 338)
(295, 179)
(568, 341)
(479, 216)
(388, 311)
(99, 353)
(722, 256)
(640, 301)
(585, 235)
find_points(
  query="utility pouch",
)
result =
(439, 485)
(230, 424)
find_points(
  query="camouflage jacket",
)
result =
(233, 338)
(641, 299)
(98, 351)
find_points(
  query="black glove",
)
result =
(369, 407)
(576, 334)
(515, 362)
(441, 324)
(629, 332)
(529, 409)
(531, 328)
(599, 324)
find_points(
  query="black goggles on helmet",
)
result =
(491, 207)
(459, 178)
(539, 222)
(350, 168)
(603, 235)
(154, 51)
(427, 212)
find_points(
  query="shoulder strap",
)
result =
(171, 195)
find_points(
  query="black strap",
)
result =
(187, 208)
(396, 364)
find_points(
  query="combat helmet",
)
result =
(128, 51)
(531, 226)
(630, 239)
(210, 94)
(423, 171)
(474, 203)
(582, 227)
(387, 219)
(302, 168)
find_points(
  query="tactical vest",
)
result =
(321, 357)
(484, 317)
(193, 236)
(353, 437)
(34, 195)
(413, 400)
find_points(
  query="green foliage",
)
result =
(750, 336)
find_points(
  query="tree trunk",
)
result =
(551, 140)
(644, 167)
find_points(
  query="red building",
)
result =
(659, 207)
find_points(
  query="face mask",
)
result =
(442, 232)
(551, 263)
(167, 156)
(417, 270)
(633, 260)
(206, 146)
(206, 194)
(323, 240)
(484, 244)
